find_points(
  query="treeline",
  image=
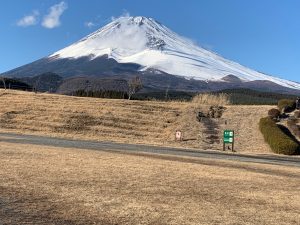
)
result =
(9, 83)
(236, 96)
(162, 95)
(253, 97)
(101, 94)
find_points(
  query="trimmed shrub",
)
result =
(286, 105)
(274, 113)
(279, 142)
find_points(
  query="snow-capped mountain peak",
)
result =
(152, 45)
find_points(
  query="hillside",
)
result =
(147, 122)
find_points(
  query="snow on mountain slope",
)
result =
(146, 42)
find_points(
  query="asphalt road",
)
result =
(134, 148)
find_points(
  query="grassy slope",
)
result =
(147, 122)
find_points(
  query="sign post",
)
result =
(178, 135)
(228, 138)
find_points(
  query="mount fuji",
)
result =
(131, 46)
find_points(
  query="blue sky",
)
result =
(261, 34)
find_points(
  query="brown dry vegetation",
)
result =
(244, 120)
(47, 185)
(147, 122)
(209, 99)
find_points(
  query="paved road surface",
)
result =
(133, 148)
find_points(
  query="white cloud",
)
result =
(52, 20)
(29, 20)
(124, 14)
(119, 39)
(89, 24)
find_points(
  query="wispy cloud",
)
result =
(29, 20)
(52, 20)
(124, 14)
(89, 24)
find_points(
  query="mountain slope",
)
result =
(137, 45)
(146, 42)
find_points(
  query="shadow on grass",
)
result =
(289, 133)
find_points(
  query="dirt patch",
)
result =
(211, 131)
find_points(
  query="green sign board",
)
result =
(228, 136)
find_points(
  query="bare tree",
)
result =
(134, 85)
(36, 85)
(167, 92)
(3, 80)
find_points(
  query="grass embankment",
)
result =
(89, 118)
(146, 122)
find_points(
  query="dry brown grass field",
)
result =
(145, 122)
(48, 185)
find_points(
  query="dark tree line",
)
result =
(101, 94)
(134, 85)
(8, 83)
(255, 97)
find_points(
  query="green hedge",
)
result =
(289, 104)
(279, 142)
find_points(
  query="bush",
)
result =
(286, 105)
(279, 142)
(274, 113)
